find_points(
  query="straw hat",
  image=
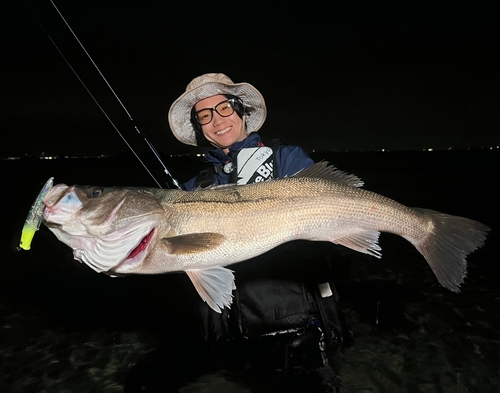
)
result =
(208, 85)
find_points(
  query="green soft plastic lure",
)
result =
(34, 217)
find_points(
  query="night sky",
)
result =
(361, 75)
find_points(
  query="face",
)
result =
(221, 132)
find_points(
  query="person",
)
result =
(285, 299)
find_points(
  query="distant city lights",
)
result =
(44, 156)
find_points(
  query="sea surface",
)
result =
(67, 329)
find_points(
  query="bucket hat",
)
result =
(208, 85)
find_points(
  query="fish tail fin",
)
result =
(446, 248)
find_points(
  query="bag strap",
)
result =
(336, 331)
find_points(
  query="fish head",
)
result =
(105, 226)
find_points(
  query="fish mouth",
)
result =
(136, 255)
(61, 203)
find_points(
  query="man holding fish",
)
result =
(299, 308)
(122, 231)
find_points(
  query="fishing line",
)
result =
(151, 147)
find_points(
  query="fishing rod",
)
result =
(146, 140)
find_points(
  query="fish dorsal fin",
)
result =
(322, 170)
(214, 285)
(192, 243)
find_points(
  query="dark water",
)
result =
(67, 329)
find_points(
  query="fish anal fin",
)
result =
(365, 241)
(322, 170)
(214, 285)
(192, 243)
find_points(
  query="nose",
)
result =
(218, 119)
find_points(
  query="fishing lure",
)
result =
(35, 216)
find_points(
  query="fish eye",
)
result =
(96, 193)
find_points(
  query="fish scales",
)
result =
(331, 209)
(121, 231)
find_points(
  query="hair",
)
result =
(239, 108)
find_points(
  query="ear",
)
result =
(244, 122)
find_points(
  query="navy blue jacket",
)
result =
(290, 160)
(273, 292)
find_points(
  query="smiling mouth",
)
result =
(222, 132)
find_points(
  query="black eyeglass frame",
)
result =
(214, 108)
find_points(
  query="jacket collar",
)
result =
(218, 157)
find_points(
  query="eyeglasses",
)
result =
(224, 109)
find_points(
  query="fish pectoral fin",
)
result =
(192, 243)
(364, 241)
(214, 285)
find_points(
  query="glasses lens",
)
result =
(224, 109)
(204, 116)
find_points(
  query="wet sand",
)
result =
(65, 328)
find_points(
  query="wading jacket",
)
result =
(289, 159)
(277, 291)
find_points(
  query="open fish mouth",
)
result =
(99, 245)
(61, 204)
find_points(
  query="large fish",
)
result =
(122, 231)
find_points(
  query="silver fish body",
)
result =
(123, 231)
